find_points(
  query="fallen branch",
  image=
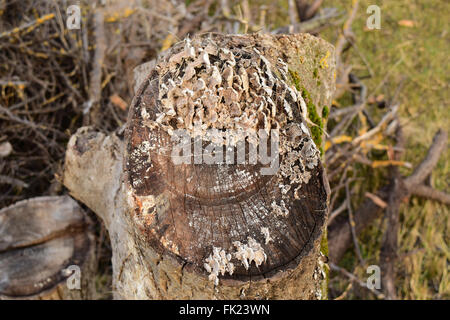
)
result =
(426, 166)
(359, 104)
(431, 193)
(386, 118)
(352, 224)
(388, 253)
(339, 232)
(27, 27)
(13, 182)
(95, 88)
(352, 277)
(377, 200)
(338, 211)
(312, 24)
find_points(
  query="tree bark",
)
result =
(215, 231)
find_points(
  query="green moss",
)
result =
(295, 79)
(324, 243)
(316, 73)
(316, 131)
(325, 112)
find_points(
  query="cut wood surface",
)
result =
(40, 239)
(204, 231)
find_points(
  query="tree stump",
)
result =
(43, 242)
(216, 223)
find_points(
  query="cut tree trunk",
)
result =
(208, 230)
(47, 250)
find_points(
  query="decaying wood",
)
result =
(432, 194)
(204, 231)
(40, 239)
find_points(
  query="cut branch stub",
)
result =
(40, 239)
(228, 220)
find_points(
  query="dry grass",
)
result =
(418, 56)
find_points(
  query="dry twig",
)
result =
(353, 278)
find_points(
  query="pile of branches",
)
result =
(365, 140)
(54, 80)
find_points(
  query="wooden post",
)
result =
(207, 230)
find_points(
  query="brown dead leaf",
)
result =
(118, 101)
(406, 23)
(390, 153)
(377, 200)
(372, 99)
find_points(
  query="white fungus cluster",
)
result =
(280, 209)
(205, 86)
(218, 262)
(249, 252)
(141, 155)
(236, 91)
(265, 232)
(320, 274)
(300, 157)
